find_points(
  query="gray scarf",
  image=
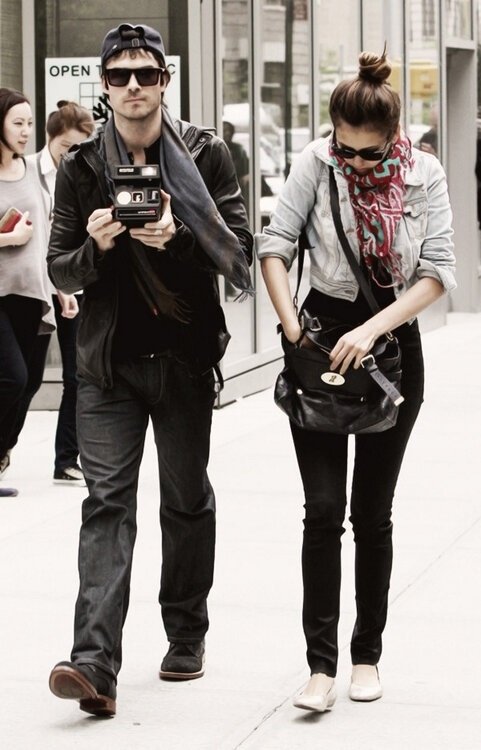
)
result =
(193, 204)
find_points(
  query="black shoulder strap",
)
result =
(302, 244)
(351, 258)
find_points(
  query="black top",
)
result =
(353, 313)
(138, 330)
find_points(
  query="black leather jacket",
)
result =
(75, 263)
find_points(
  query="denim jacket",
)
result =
(423, 237)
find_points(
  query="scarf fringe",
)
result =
(194, 205)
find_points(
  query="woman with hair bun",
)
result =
(67, 126)
(396, 215)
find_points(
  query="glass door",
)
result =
(237, 133)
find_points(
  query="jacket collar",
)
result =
(195, 139)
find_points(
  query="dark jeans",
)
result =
(322, 461)
(111, 430)
(35, 376)
(19, 323)
(66, 446)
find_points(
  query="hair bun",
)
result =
(62, 103)
(374, 68)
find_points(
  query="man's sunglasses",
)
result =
(367, 154)
(143, 76)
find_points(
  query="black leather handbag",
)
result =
(314, 397)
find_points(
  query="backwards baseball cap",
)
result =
(127, 36)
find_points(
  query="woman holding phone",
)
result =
(25, 298)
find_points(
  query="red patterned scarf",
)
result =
(377, 201)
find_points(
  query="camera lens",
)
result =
(123, 197)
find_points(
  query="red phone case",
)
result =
(9, 219)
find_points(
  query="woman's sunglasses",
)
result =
(367, 154)
(143, 76)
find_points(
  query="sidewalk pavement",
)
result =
(255, 649)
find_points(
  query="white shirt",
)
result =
(48, 170)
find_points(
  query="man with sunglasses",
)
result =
(152, 330)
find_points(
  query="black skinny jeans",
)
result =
(111, 432)
(66, 448)
(322, 460)
(19, 322)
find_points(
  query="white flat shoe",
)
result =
(365, 683)
(318, 695)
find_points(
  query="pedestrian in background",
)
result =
(239, 159)
(67, 126)
(151, 331)
(395, 211)
(25, 300)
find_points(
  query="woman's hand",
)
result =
(157, 233)
(22, 231)
(103, 229)
(352, 347)
(69, 305)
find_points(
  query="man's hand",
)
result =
(69, 305)
(103, 229)
(157, 233)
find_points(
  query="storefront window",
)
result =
(373, 25)
(284, 116)
(458, 19)
(339, 47)
(236, 127)
(423, 68)
(382, 23)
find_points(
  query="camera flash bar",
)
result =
(150, 171)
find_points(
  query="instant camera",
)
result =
(137, 194)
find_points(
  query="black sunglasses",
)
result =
(367, 154)
(143, 76)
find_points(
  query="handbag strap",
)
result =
(302, 245)
(351, 258)
(368, 362)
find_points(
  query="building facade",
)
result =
(261, 72)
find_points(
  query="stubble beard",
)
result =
(141, 117)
